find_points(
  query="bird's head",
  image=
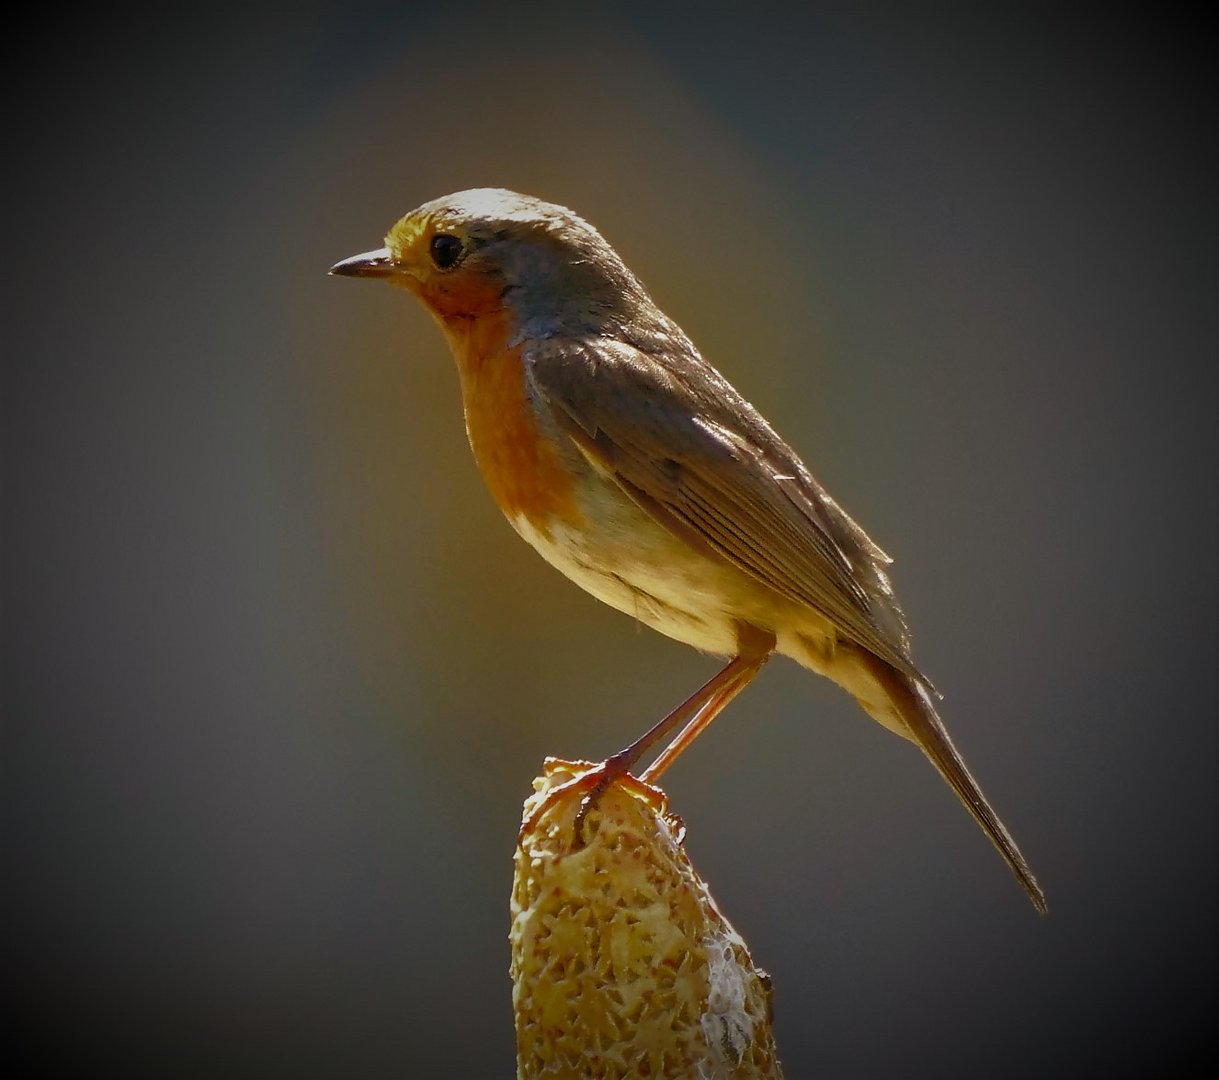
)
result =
(489, 250)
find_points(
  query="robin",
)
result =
(635, 468)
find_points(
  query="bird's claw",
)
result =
(592, 782)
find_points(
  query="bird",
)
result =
(636, 469)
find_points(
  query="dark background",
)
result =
(277, 675)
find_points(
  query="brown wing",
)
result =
(699, 458)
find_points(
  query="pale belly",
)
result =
(633, 563)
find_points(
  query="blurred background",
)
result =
(277, 675)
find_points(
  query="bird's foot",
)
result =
(589, 783)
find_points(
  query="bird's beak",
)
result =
(379, 263)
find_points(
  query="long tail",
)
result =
(925, 728)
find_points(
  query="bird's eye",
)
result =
(445, 251)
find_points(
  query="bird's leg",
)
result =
(597, 779)
(703, 706)
(754, 646)
(701, 719)
(696, 712)
(688, 711)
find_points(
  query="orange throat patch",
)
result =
(523, 469)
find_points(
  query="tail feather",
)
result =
(915, 708)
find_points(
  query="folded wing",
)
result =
(703, 462)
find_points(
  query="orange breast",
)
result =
(523, 469)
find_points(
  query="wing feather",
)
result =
(702, 461)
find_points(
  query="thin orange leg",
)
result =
(701, 719)
(696, 712)
(597, 779)
(688, 711)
